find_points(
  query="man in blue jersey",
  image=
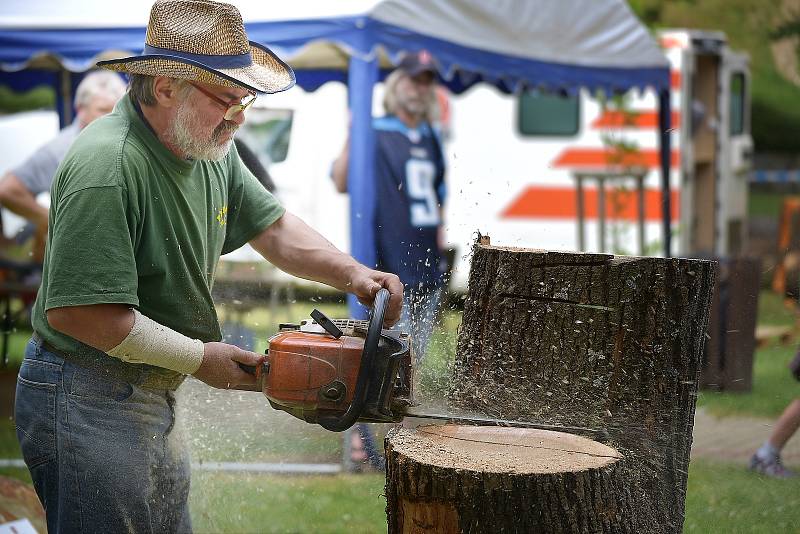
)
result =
(410, 194)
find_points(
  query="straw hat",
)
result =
(205, 41)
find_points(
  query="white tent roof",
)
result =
(573, 32)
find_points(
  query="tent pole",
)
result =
(64, 98)
(665, 138)
(362, 77)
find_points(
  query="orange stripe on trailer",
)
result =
(602, 158)
(642, 119)
(541, 202)
(675, 79)
(671, 42)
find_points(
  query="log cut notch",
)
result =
(588, 340)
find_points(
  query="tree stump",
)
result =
(450, 479)
(596, 341)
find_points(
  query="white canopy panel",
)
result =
(592, 33)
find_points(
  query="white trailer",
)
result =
(570, 172)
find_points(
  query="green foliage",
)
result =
(790, 28)
(649, 11)
(37, 98)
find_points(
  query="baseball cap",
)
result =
(417, 63)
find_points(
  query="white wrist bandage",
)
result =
(155, 344)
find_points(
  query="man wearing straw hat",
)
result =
(144, 204)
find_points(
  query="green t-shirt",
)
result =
(131, 223)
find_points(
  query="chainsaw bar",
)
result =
(488, 421)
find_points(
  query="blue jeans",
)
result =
(101, 452)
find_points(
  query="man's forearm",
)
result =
(128, 335)
(18, 199)
(294, 247)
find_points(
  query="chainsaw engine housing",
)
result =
(364, 375)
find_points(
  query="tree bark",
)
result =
(450, 479)
(591, 340)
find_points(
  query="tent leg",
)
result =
(581, 218)
(64, 98)
(362, 76)
(664, 120)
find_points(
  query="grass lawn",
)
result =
(269, 503)
(726, 498)
(720, 498)
(773, 388)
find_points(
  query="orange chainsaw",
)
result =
(338, 372)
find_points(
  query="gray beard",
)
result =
(181, 134)
(416, 109)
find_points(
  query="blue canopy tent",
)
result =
(511, 44)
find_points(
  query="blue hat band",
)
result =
(236, 61)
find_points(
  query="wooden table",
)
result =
(602, 176)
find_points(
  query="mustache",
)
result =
(225, 127)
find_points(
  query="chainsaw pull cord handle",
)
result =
(347, 419)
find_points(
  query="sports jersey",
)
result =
(410, 194)
(131, 223)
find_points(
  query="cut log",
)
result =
(591, 340)
(450, 479)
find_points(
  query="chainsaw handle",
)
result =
(346, 420)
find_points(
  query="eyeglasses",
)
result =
(231, 110)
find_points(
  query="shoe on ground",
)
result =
(772, 468)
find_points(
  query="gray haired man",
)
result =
(142, 207)
(95, 96)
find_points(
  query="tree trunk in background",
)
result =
(451, 479)
(592, 340)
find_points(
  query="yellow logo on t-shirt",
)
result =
(222, 215)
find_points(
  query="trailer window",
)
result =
(548, 114)
(267, 132)
(737, 103)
